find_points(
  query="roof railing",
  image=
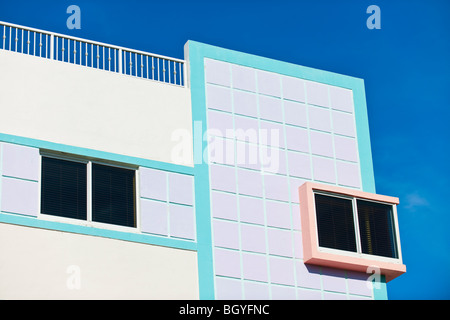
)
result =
(93, 54)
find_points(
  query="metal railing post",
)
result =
(185, 84)
(120, 61)
(52, 40)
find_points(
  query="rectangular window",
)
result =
(350, 229)
(336, 216)
(63, 190)
(376, 229)
(335, 224)
(88, 191)
(113, 195)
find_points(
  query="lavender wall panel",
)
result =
(182, 221)
(153, 183)
(20, 196)
(293, 88)
(154, 217)
(20, 161)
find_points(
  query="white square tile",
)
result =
(271, 134)
(317, 93)
(21, 161)
(251, 210)
(295, 113)
(227, 263)
(278, 214)
(348, 174)
(228, 288)
(280, 242)
(323, 170)
(153, 183)
(181, 188)
(221, 150)
(297, 139)
(346, 148)
(217, 72)
(254, 266)
(256, 290)
(182, 221)
(243, 77)
(245, 103)
(299, 165)
(282, 270)
(319, 118)
(273, 160)
(321, 143)
(224, 205)
(154, 217)
(270, 108)
(341, 99)
(218, 98)
(344, 123)
(20, 196)
(269, 83)
(253, 238)
(220, 123)
(293, 88)
(225, 234)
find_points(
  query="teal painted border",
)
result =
(381, 292)
(91, 153)
(119, 235)
(105, 233)
(196, 52)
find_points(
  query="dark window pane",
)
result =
(376, 228)
(63, 188)
(113, 195)
(335, 223)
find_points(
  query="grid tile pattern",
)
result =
(167, 203)
(19, 184)
(267, 134)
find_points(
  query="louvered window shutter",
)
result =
(335, 222)
(63, 191)
(376, 228)
(113, 199)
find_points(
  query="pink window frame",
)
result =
(312, 254)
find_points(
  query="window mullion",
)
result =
(89, 191)
(356, 222)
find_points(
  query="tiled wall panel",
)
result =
(166, 199)
(19, 168)
(282, 131)
(167, 203)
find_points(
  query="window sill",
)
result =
(313, 254)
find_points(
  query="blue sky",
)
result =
(405, 65)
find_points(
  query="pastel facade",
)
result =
(218, 155)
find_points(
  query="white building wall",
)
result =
(47, 264)
(81, 107)
(84, 107)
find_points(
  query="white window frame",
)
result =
(88, 222)
(359, 252)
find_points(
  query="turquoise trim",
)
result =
(96, 154)
(91, 231)
(381, 292)
(197, 52)
(363, 135)
(119, 235)
(201, 173)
